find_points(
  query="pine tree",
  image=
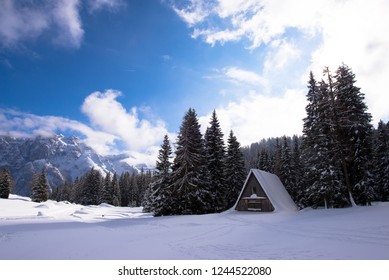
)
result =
(39, 187)
(337, 140)
(158, 198)
(133, 190)
(286, 172)
(381, 161)
(263, 161)
(116, 199)
(276, 163)
(6, 183)
(355, 134)
(143, 180)
(322, 170)
(299, 187)
(90, 188)
(106, 192)
(124, 186)
(189, 185)
(215, 153)
(235, 171)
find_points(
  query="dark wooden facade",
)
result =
(253, 197)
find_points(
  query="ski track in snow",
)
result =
(57, 230)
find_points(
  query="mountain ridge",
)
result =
(64, 158)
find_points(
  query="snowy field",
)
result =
(61, 231)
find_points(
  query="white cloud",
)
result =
(28, 20)
(21, 21)
(66, 17)
(244, 76)
(328, 33)
(107, 114)
(258, 116)
(195, 12)
(18, 23)
(97, 5)
(20, 124)
(280, 55)
(110, 124)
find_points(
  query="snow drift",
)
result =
(60, 231)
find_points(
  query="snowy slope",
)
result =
(57, 230)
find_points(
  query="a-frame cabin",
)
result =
(264, 192)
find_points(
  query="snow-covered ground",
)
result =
(58, 230)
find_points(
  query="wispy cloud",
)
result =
(97, 5)
(195, 12)
(18, 22)
(244, 76)
(65, 15)
(21, 21)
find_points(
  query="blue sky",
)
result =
(121, 74)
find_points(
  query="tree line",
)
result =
(340, 160)
(94, 188)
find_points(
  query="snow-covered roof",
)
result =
(274, 190)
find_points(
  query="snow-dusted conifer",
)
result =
(263, 160)
(189, 185)
(90, 187)
(235, 169)
(215, 153)
(355, 137)
(322, 171)
(5, 183)
(39, 187)
(298, 192)
(381, 161)
(286, 172)
(158, 197)
(116, 199)
(106, 191)
(124, 185)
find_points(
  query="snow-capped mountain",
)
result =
(64, 159)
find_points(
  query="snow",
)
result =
(61, 230)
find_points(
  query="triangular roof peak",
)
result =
(273, 190)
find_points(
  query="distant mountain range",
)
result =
(64, 158)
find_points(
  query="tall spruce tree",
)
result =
(39, 187)
(215, 153)
(297, 174)
(337, 140)
(286, 172)
(322, 168)
(5, 183)
(263, 160)
(116, 198)
(189, 177)
(124, 185)
(90, 188)
(158, 197)
(106, 191)
(235, 172)
(381, 161)
(355, 135)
